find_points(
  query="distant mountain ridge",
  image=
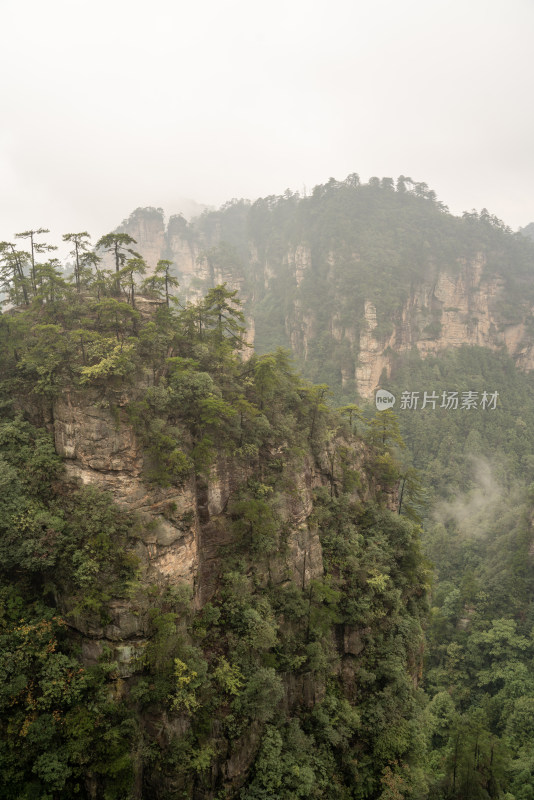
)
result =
(528, 230)
(356, 273)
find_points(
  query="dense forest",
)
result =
(360, 621)
(478, 475)
(309, 681)
(305, 266)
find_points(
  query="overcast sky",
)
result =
(109, 105)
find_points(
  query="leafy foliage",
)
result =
(316, 670)
(478, 469)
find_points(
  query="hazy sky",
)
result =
(111, 105)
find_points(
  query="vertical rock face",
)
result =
(449, 311)
(147, 227)
(100, 448)
(445, 310)
(181, 529)
(448, 308)
(195, 270)
(155, 240)
(371, 359)
(184, 255)
(301, 262)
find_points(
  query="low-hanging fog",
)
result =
(110, 106)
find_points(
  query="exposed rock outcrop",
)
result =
(450, 307)
(99, 447)
(449, 310)
(182, 528)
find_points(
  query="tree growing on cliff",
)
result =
(81, 245)
(133, 266)
(12, 272)
(223, 314)
(384, 430)
(163, 272)
(117, 245)
(160, 283)
(35, 248)
(50, 283)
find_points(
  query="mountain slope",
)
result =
(353, 271)
(371, 285)
(207, 590)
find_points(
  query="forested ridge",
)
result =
(279, 685)
(274, 683)
(306, 265)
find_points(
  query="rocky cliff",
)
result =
(346, 299)
(182, 530)
(450, 310)
(181, 537)
(208, 562)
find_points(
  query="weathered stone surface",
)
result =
(353, 643)
(243, 752)
(125, 621)
(165, 533)
(303, 690)
(462, 304)
(224, 479)
(100, 448)
(460, 301)
(177, 562)
(87, 432)
(181, 530)
(301, 262)
(92, 650)
(305, 557)
(125, 654)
